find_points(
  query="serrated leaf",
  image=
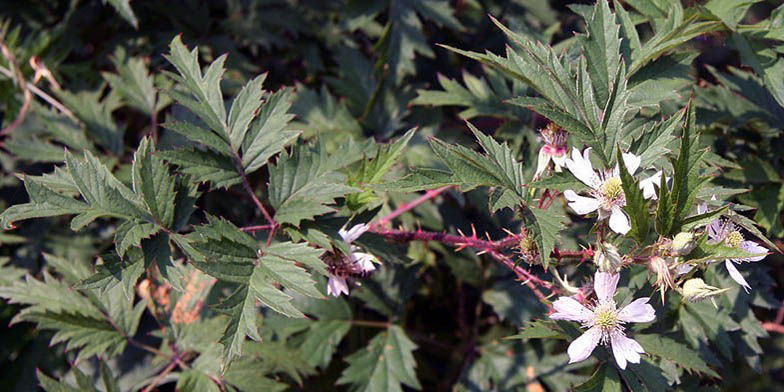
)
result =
(544, 226)
(205, 166)
(117, 270)
(540, 329)
(601, 47)
(304, 182)
(133, 82)
(152, 180)
(372, 171)
(384, 364)
(679, 353)
(267, 135)
(636, 205)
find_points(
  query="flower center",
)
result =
(606, 318)
(612, 188)
(734, 239)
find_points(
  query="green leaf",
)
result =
(267, 135)
(96, 114)
(672, 350)
(204, 96)
(372, 171)
(243, 109)
(123, 7)
(384, 364)
(204, 166)
(601, 47)
(242, 312)
(117, 270)
(544, 226)
(559, 182)
(152, 180)
(304, 182)
(133, 82)
(636, 205)
(605, 379)
(540, 329)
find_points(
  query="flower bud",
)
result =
(683, 243)
(607, 258)
(662, 268)
(695, 290)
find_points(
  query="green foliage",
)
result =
(385, 364)
(184, 218)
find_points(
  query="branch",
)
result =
(46, 97)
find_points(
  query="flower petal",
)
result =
(568, 308)
(337, 286)
(648, 186)
(604, 284)
(580, 166)
(581, 204)
(639, 311)
(631, 161)
(582, 347)
(365, 261)
(544, 160)
(619, 222)
(736, 276)
(353, 233)
(625, 349)
(753, 247)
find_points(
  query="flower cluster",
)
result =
(670, 260)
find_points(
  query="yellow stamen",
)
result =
(734, 239)
(612, 188)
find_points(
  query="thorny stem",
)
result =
(405, 207)
(28, 96)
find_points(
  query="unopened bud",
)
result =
(661, 267)
(695, 290)
(607, 258)
(683, 243)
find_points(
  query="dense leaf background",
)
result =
(330, 110)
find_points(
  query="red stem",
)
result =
(405, 207)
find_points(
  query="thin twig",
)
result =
(405, 207)
(370, 323)
(780, 314)
(254, 229)
(41, 94)
(157, 380)
(19, 78)
(267, 216)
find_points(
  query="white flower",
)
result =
(354, 263)
(554, 149)
(727, 232)
(604, 322)
(606, 194)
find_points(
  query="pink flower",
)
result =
(554, 149)
(604, 322)
(355, 263)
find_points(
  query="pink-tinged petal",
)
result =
(582, 169)
(581, 204)
(560, 161)
(639, 311)
(736, 276)
(543, 162)
(625, 349)
(702, 208)
(619, 222)
(353, 233)
(568, 308)
(649, 184)
(604, 284)
(753, 247)
(337, 286)
(582, 347)
(631, 161)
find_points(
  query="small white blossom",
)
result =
(606, 194)
(726, 232)
(554, 149)
(604, 322)
(354, 263)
